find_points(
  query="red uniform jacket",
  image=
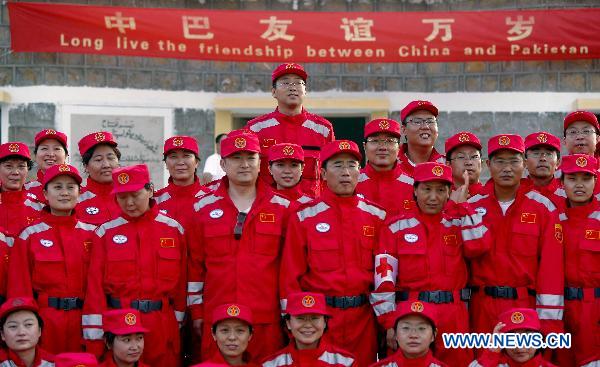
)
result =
(305, 129)
(553, 191)
(245, 270)
(408, 167)
(294, 194)
(426, 253)
(492, 359)
(8, 358)
(526, 251)
(35, 186)
(96, 204)
(17, 210)
(330, 247)
(398, 360)
(178, 201)
(135, 258)
(108, 361)
(218, 359)
(392, 190)
(325, 355)
(6, 242)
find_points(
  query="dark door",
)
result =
(350, 128)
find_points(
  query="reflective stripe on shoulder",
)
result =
(37, 228)
(312, 211)
(390, 364)
(32, 184)
(162, 197)
(85, 226)
(371, 209)
(207, 200)
(362, 177)
(35, 205)
(280, 360)
(592, 364)
(336, 358)
(264, 124)
(318, 128)
(169, 221)
(594, 215)
(534, 195)
(561, 193)
(201, 193)
(403, 224)
(101, 231)
(85, 196)
(304, 199)
(276, 199)
(562, 216)
(476, 198)
(406, 179)
(6, 239)
(45, 363)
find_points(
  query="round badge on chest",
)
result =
(322, 227)
(92, 210)
(46, 243)
(411, 237)
(217, 213)
(119, 239)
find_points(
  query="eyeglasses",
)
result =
(502, 162)
(574, 132)
(422, 122)
(380, 142)
(539, 154)
(407, 330)
(239, 225)
(18, 168)
(288, 85)
(464, 158)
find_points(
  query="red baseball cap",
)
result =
(289, 68)
(17, 304)
(14, 148)
(75, 360)
(181, 142)
(520, 318)
(418, 308)
(579, 163)
(59, 170)
(91, 140)
(339, 146)
(416, 106)
(283, 151)
(506, 141)
(50, 134)
(433, 171)
(242, 140)
(382, 126)
(542, 138)
(130, 179)
(123, 321)
(584, 116)
(303, 303)
(232, 311)
(460, 139)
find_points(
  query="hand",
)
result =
(197, 326)
(497, 329)
(461, 194)
(390, 338)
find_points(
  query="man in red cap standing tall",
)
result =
(382, 179)
(239, 230)
(524, 267)
(291, 123)
(330, 248)
(463, 154)
(419, 127)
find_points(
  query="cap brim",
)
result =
(249, 322)
(505, 148)
(417, 314)
(129, 330)
(240, 150)
(179, 148)
(542, 145)
(127, 188)
(471, 143)
(20, 308)
(55, 137)
(77, 178)
(314, 312)
(111, 143)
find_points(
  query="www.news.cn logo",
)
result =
(506, 340)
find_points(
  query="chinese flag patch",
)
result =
(266, 218)
(528, 217)
(369, 231)
(592, 234)
(167, 242)
(450, 240)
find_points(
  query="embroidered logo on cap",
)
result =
(64, 168)
(344, 145)
(384, 124)
(517, 317)
(130, 319)
(581, 162)
(50, 132)
(416, 307)
(178, 142)
(240, 143)
(420, 103)
(542, 138)
(463, 137)
(13, 148)
(308, 301)
(292, 66)
(18, 302)
(288, 150)
(504, 140)
(123, 178)
(233, 310)
(437, 170)
(99, 137)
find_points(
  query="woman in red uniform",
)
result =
(50, 149)
(18, 208)
(415, 333)
(306, 320)
(138, 261)
(50, 260)
(286, 164)
(124, 338)
(21, 329)
(100, 156)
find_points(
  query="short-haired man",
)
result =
(463, 154)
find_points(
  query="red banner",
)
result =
(306, 36)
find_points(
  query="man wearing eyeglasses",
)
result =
(542, 158)
(235, 254)
(291, 123)
(581, 133)
(463, 154)
(382, 180)
(524, 266)
(419, 127)
(330, 247)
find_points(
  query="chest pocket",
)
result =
(49, 265)
(412, 255)
(324, 251)
(168, 263)
(452, 249)
(589, 257)
(367, 247)
(120, 264)
(525, 239)
(217, 239)
(267, 238)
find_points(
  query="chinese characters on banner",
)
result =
(306, 36)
